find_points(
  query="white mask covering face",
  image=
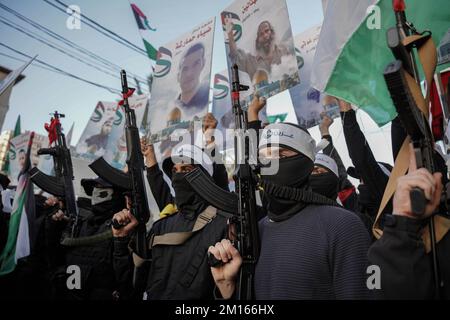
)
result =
(100, 195)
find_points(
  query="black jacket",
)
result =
(98, 278)
(406, 268)
(364, 162)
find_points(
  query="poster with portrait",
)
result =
(94, 140)
(258, 38)
(308, 102)
(222, 109)
(42, 162)
(17, 155)
(117, 144)
(181, 85)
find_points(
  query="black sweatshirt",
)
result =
(331, 151)
(159, 187)
(319, 253)
(363, 159)
(406, 269)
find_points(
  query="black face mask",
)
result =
(105, 210)
(325, 184)
(186, 199)
(293, 172)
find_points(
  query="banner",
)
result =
(117, 142)
(222, 108)
(104, 133)
(180, 90)
(308, 102)
(94, 140)
(258, 38)
(17, 155)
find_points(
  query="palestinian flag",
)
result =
(144, 29)
(352, 52)
(22, 231)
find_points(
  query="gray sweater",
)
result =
(320, 253)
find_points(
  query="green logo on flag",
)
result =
(98, 113)
(119, 118)
(164, 62)
(277, 118)
(221, 88)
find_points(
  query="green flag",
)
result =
(352, 52)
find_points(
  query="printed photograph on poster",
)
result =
(42, 162)
(181, 85)
(117, 144)
(93, 142)
(18, 151)
(309, 103)
(104, 133)
(17, 155)
(258, 38)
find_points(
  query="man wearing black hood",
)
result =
(94, 257)
(374, 177)
(324, 178)
(310, 249)
(178, 242)
(403, 253)
(346, 191)
(159, 187)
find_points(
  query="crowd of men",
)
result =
(315, 246)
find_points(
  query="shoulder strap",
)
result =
(427, 57)
(177, 238)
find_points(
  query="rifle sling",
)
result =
(177, 238)
(428, 58)
(86, 241)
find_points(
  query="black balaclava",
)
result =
(326, 184)
(188, 202)
(293, 172)
(105, 210)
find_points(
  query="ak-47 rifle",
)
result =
(247, 224)
(399, 75)
(242, 203)
(133, 180)
(60, 185)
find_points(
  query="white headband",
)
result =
(327, 162)
(288, 135)
(192, 152)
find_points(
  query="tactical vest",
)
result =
(180, 271)
(96, 266)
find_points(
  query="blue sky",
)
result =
(43, 92)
